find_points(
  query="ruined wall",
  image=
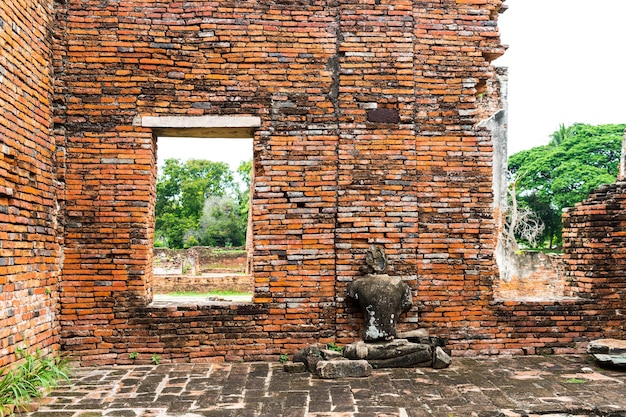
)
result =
(29, 248)
(532, 275)
(171, 283)
(368, 135)
(594, 242)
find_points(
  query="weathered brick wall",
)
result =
(594, 261)
(594, 242)
(369, 134)
(165, 284)
(29, 249)
(533, 275)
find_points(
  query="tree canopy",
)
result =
(578, 160)
(184, 189)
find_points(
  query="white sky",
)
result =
(567, 64)
(231, 151)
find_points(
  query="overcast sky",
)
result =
(567, 64)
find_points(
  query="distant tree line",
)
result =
(547, 179)
(199, 202)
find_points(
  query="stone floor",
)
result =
(556, 386)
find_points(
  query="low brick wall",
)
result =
(165, 284)
(533, 275)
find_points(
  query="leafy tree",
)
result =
(221, 223)
(563, 173)
(245, 173)
(182, 190)
(560, 135)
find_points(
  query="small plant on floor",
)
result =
(576, 381)
(156, 359)
(34, 375)
(283, 358)
(133, 355)
(335, 347)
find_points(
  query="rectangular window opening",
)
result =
(202, 239)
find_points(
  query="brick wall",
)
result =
(29, 248)
(369, 134)
(171, 283)
(532, 275)
(594, 241)
(593, 262)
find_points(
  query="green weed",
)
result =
(576, 381)
(33, 376)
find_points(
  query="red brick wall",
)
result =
(594, 262)
(594, 242)
(533, 275)
(29, 249)
(368, 135)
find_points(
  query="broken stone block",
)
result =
(375, 261)
(414, 334)
(607, 346)
(608, 352)
(329, 354)
(382, 350)
(440, 358)
(294, 367)
(309, 356)
(343, 368)
(618, 361)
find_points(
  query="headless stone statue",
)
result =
(382, 298)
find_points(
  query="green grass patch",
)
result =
(207, 294)
(31, 378)
(576, 381)
(229, 251)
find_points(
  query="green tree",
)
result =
(182, 190)
(560, 135)
(245, 173)
(552, 177)
(221, 223)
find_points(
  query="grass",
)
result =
(335, 347)
(33, 376)
(576, 381)
(206, 294)
(226, 251)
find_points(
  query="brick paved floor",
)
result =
(555, 386)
